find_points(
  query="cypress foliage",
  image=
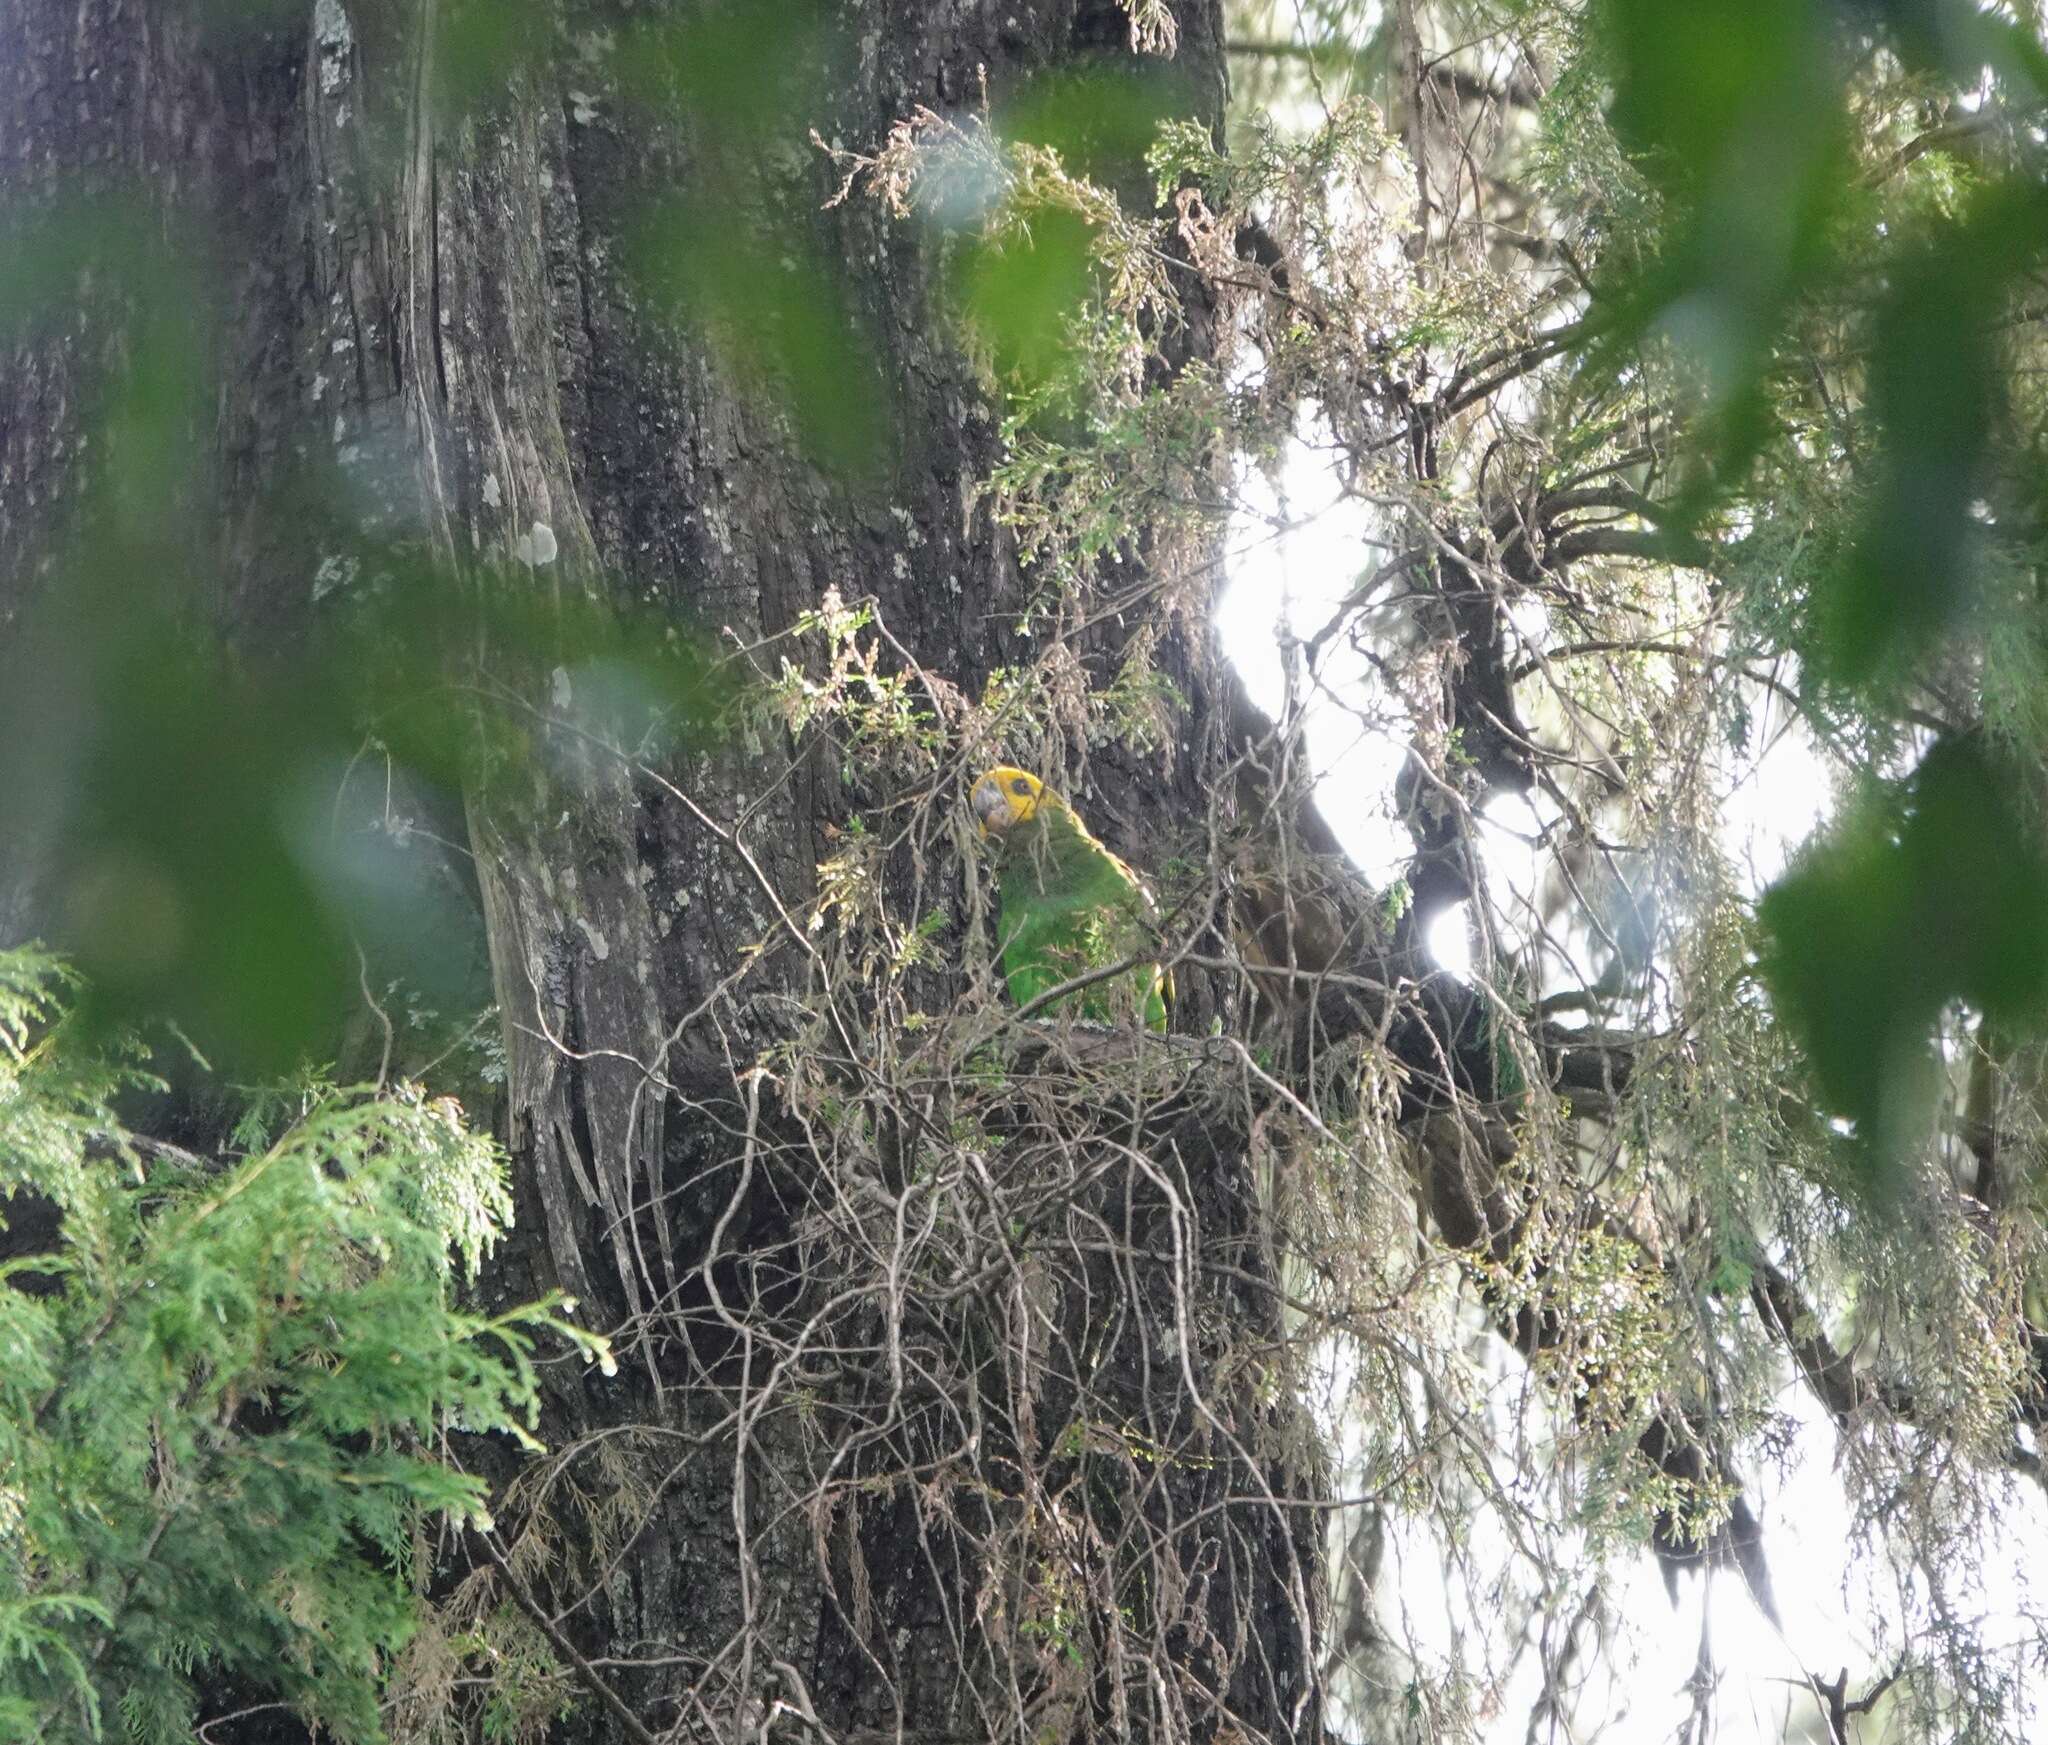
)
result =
(222, 1388)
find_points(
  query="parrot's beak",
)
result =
(991, 805)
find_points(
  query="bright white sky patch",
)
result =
(1450, 941)
(1840, 1606)
(1777, 797)
(1298, 553)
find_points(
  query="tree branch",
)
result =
(636, 1729)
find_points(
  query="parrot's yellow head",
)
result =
(1005, 798)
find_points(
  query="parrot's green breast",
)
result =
(1068, 906)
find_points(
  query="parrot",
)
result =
(1067, 905)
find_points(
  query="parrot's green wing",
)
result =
(1068, 906)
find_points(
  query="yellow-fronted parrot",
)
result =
(1067, 905)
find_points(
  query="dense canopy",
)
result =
(569, 576)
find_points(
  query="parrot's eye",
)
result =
(1020, 786)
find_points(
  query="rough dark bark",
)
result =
(418, 321)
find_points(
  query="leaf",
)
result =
(1934, 893)
(768, 305)
(1022, 290)
(1101, 120)
(1937, 391)
(1733, 111)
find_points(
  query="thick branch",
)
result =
(1829, 1373)
(1630, 542)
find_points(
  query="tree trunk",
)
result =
(1043, 1490)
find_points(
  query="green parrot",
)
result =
(1068, 904)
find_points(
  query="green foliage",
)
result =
(1023, 290)
(738, 261)
(885, 718)
(1932, 892)
(1029, 271)
(1737, 115)
(1936, 399)
(1732, 110)
(220, 821)
(1852, 336)
(222, 1389)
(1102, 120)
(1045, 273)
(479, 50)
